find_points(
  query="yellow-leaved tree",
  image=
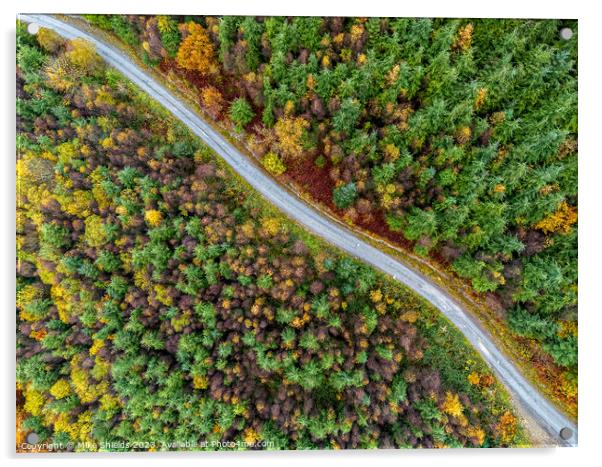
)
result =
(452, 405)
(79, 60)
(83, 56)
(290, 132)
(50, 40)
(559, 221)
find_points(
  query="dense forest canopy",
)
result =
(160, 301)
(455, 138)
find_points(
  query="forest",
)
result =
(453, 139)
(162, 304)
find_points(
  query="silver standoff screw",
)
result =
(566, 33)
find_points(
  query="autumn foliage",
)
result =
(456, 139)
(160, 300)
(290, 132)
(196, 51)
(559, 221)
(212, 101)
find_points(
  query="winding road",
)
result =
(558, 426)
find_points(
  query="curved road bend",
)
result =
(542, 411)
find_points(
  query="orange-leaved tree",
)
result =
(196, 51)
(212, 101)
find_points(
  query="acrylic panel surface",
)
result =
(295, 233)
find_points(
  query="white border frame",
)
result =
(590, 108)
